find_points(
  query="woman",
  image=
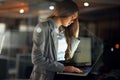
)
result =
(45, 41)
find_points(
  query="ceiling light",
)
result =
(86, 4)
(51, 7)
(117, 46)
(112, 49)
(21, 11)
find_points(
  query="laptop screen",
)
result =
(82, 54)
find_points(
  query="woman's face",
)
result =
(69, 20)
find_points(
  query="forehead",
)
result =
(74, 15)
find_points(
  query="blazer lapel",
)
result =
(54, 39)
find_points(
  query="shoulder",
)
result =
(41, 26)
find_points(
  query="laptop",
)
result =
(82, 58)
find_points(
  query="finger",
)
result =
(78, 70)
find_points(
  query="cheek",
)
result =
(66, 22)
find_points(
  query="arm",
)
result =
(38, 53)
(72, 34)
(75, 38)
(74, 44)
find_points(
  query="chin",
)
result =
(66, 25)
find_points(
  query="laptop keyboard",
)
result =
(84, 69)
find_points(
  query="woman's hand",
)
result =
(72, 69)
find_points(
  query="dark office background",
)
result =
(100, 20)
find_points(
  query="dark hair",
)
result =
(65, 8)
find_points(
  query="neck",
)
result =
(57, 21)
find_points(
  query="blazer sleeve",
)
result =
(38, 56)
(74, 44)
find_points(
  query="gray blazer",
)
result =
(44, 52)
